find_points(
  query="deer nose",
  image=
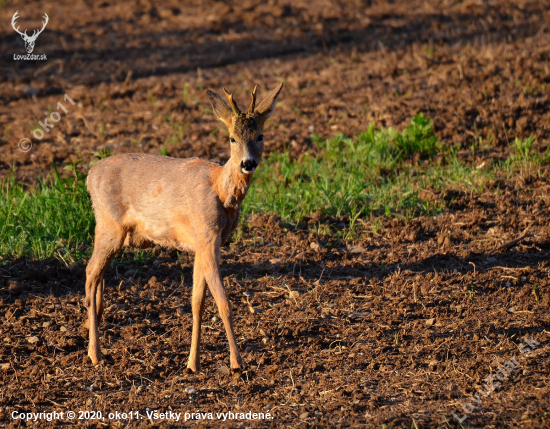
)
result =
(249, 165)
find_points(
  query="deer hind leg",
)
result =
(99, 306)
(108, 241)
(197, 303)
(209, 261)
(99, 299)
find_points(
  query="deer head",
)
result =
(29, 40)
(245, 128)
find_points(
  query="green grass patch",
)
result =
(377, 173)
(53, 219)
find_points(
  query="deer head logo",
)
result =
(29, 40)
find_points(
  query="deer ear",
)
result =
(267, 106)
(221, 109)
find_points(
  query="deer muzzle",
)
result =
(248, 165)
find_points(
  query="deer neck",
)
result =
(231, 185)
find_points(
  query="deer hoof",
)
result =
(236, 371)
(95, 357)
(237, 366)
(237, 363)
(193, 367)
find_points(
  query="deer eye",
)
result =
(232, 140)
(260, 138)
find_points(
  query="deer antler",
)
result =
(13, 24)
(236, 110)
(34, 36)
(253, 103)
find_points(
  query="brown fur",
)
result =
(187, 204)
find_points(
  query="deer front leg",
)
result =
(197, 303)
(209, 262)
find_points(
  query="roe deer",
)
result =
(187, 204)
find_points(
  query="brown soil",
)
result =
(400, 327)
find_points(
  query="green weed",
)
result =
(185, 93)
(525, 154)
(523, 148)
(100, 154)
(7, 128)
